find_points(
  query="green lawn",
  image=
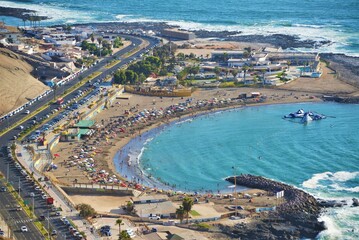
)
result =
(194, 213)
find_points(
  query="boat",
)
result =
(297, 114)
(306, 118)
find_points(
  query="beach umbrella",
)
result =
(56, 155)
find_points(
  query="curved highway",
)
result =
(7, 166)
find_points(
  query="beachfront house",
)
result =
(149, 199)
(162, 209)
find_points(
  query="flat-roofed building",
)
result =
(149, 199)
(178, 34)
(161, 209)
(296, 58)
(224, 55)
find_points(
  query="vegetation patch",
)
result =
(194, 213)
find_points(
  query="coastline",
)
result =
(133, 145)
(20, 13)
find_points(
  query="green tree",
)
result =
(85, 210)
(180, 213)
(120, 77)
(187, 206)
(119, 222)
(217, 71)
(181, 56)
(124, 235)
(234, 73)
(182, 75)
(141, 77)
(117, 42)
(129, 206)
(92, 37)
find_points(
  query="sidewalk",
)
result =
(60, 200)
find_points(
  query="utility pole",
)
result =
(48, 222)
(7, 173)
(19, 187)
(33, 206)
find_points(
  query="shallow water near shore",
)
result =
(319, 157)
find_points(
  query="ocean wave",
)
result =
(184, 121)
(341, 40)
(334, 181)
(341, 223)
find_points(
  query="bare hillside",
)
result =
(16, 83)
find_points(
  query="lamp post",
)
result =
(33, 205)
(235, 190)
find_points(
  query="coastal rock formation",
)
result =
(296, 218)
(21, 13)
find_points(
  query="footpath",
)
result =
(60, 200)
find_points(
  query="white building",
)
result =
(162, 209)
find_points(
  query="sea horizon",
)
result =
(309, 21)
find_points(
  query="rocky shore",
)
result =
(296, 218)
(20, 13)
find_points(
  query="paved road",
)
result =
(61, 89)
(15, 219)
(7, 166)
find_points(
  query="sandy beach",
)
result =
(109, 142)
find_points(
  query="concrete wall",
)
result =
(96, 191)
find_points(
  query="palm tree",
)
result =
(92, 37)
(99, 40)
(119, 222)
(180, 213)
(245, 69)
(187, 206)
(234, 73)
(217, 71)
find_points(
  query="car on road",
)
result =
(21, 127)
(3, 189)
(53, 233)
(24, 229)
(32, 194)
(27, 112)
(154, 217)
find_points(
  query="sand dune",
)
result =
(16, 83)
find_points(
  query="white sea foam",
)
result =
(340, 223)
(332, 229)
(314, 181)
(339, 40)
(184, 121)
(334, 178)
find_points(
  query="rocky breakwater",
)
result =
(295, 218)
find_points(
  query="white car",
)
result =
(154, 217)
(24, 229)
(32, 194)
(27, 112)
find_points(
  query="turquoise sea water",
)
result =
(320, 157)
(310, 19)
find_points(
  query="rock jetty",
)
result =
(295, 218)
